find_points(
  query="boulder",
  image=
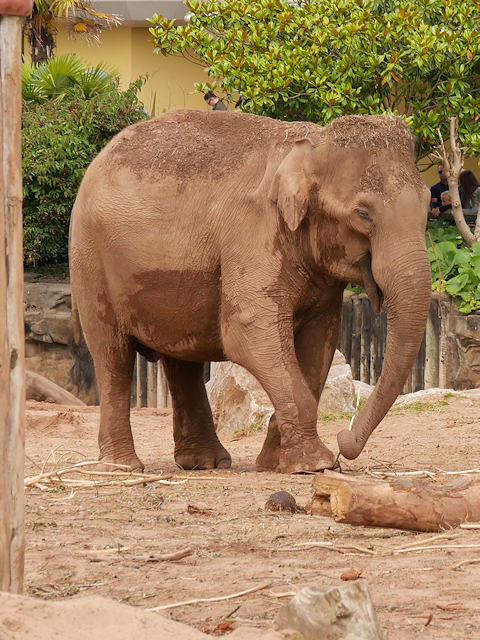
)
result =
(433, 395)
(48, 311)
(332, 613)
(363, 389)
(339, 392)
(239, 402)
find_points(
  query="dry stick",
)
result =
(326, 545)
(167, 557)
(464, 562)
(439, 547)
(111, 483)
(395, 474)
(101, 551)
(459, 473)
(218, 599)
(470, 526)
(442, 536)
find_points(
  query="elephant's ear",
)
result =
(289, 189)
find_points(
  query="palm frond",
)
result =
(57, 77)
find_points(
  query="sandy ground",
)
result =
(105, 540)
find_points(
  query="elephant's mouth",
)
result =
(373, 291)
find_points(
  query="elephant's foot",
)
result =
(130, 462)
(269, 457)
(213, 458)
(299, 455)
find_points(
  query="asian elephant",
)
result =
(208, 236)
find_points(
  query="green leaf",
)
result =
(455, 285)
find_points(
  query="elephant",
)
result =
(209, 236)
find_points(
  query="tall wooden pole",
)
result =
(12, 385)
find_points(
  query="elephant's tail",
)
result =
(82, 373)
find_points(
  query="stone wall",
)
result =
(48, 330)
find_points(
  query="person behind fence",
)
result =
(437, 190)
(214, 102)
(445, 199)
(446, 204)
(471, 191)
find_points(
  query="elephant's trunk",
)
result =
(406, 284)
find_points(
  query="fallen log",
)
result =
(403, 503)
(43, 390)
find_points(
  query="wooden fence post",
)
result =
(12, 339)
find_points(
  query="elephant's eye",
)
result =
(364, 215)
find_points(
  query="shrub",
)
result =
(59, 140)
(455, 269)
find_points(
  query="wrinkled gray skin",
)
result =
(200, 236)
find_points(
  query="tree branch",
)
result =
(453, 165)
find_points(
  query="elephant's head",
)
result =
(355, 201)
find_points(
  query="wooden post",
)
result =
(141, 381)
(152, 384)
(12, 339)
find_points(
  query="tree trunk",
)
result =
(42, 45)
(407, 504)
(43, 390)
(453, 165)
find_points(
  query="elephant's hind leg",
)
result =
(114, 358)
(196, 443)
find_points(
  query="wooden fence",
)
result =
(363, 339)
(362, 342)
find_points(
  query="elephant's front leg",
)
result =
(315, 346)
(266, 347)
(196, 443)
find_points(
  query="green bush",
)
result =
(455, 269)
(59, 140)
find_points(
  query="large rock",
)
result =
(48, 329)
(339, 392)
(48, 311)
(239, 402)
(332, 613)
(463, 350)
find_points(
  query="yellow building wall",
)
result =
(170, 79)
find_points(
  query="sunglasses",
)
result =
(440, 171)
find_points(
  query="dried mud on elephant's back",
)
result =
(200, 144)
(104, 540)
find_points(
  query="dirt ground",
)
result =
(105, 540)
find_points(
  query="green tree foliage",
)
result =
(455, 269)
(316, 60)
(59, 140)
(60, 78)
